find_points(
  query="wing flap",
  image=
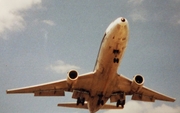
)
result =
(50, 93)
(142, 98)
(151, 94)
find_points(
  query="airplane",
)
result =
(92, 90)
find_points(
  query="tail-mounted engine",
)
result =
(72, 76)
(137, 83)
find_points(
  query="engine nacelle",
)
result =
(137, 83)
(72, 76)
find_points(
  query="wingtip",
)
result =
(11, 91)
(7, 92)
(174, 99)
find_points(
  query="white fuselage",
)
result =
(110, 54)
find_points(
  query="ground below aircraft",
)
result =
(92, 90)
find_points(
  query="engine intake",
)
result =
(137, 83)
(72, 76)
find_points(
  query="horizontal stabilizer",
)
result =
(74, 105)
(110, 106)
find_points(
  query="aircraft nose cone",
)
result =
(123, 19)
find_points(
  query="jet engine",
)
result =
(72, 76)
(137, 83)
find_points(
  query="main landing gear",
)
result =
(80, 101)
(100, 101)
(116, 52)
(119, 98)
(120, 102)
(81, 96)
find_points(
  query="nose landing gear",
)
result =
(116, 52)
(116, 60)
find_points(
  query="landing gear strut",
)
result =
(80, 101)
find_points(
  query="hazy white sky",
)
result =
(40, 40)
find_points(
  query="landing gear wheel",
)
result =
(120, 102)
(80, 101)
(116, 51)
(100, 102)
(123, 103)
(116, 60)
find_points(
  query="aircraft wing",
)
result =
(56, 88)
(151, 95)
(84, 82)
(124, 84)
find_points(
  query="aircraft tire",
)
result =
(82, 101)
(78, 101)
(116, 60)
